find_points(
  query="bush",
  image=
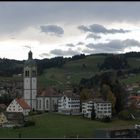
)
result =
(29, 123)
(106, 119)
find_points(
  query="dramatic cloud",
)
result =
(113, 46)
(93, 36)
(96, 28)
(70, 45)
(60, 52)
(52, 29)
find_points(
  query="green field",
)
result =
(52, 125)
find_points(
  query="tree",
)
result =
(121, 96)
(93, 114)
(85, 94)
(108, 96)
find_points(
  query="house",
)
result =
(102, 108)
(47, 100)
(134, 100)
(3, 118)
(19, 105)
(69, 103)
(16, 118)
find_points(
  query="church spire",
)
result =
(30, 55)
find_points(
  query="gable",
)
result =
(14, 106)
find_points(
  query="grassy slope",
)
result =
(53, 125)
(58, 76)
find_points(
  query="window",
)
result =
(46, 103)
(26, 73)
(40, 104)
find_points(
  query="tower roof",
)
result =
(30, 61)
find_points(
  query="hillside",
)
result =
(75, 70)
(82, 68)
(56, 71)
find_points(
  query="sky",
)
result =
(51, 29)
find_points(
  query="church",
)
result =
(47, 100)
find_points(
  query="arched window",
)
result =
(26, 73)
(47, 104)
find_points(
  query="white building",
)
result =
(30, 81)
(69, 103)
(19, 105)
(102, 108)
(48, 100)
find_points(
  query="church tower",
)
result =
(30, 81)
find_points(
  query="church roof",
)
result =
(30, 62)
(49, 92)
(22, 103)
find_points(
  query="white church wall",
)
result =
(27, 94)
(34, 83)
(27, 83)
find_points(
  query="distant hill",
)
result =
(57, 71)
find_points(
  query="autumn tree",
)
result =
(107, 95)
(85, 94)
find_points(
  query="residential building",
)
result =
(19, 105)
(3, 118)
(14, 119)
(69, 103)
(133, 100)
(102, 108)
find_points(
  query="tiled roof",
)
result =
(22, 103)
(48, 92)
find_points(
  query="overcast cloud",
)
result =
(46, 25)
(70, 45)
